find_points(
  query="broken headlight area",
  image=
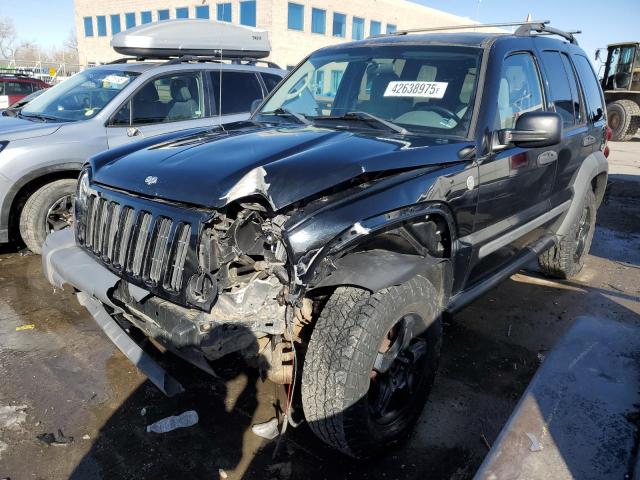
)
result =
(240, 288)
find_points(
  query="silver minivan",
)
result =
(44, 146)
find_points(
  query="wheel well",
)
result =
(599, 185)
(25, 192)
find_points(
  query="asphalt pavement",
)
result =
(59, 372)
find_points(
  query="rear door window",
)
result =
(239, 90)
(519, 90)
(590, 88)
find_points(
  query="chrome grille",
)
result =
(149, 247)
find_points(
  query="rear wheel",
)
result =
(48, 209)
(566, 259)
(370, 365)
(623, 117)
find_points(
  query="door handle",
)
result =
(133, 132)
(547, 157)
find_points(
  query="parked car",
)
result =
(13, 109)
(45, 145)
(324, 239)
(15, 86)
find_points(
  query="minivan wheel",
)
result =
(566, 259)
(48, 209)
(370, 364)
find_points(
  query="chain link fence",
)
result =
(50, 72)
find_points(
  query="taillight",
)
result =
(608, 134)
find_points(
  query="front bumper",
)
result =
(64, 262)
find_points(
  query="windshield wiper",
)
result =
(368, 117)
(284, 112)
(43, 117)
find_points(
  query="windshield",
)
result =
(80, 97)
(423, 89)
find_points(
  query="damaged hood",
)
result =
(284, 164)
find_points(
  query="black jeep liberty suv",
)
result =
(382, 183)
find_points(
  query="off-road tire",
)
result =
(624, 119)
(340, 359)
(563, 260)
(34, 212)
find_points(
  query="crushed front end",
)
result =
(199, 282)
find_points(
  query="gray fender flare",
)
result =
(592, 166)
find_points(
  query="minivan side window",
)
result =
(562, 83)
(239, 90)
(590, 88)
(519, 90)
(170, 98)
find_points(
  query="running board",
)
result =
(161, 379)
(462, 299)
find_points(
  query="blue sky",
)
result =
(48, 21)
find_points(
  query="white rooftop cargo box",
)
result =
(174, 38)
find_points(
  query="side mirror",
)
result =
(255, 104)
(534, 129)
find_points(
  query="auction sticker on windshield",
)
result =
(416, 89)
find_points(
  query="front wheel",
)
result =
(48, 209)
(370, 364)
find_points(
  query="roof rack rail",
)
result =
(542, 28)
(464, 27)
(217, 59)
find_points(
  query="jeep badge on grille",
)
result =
(151, 180)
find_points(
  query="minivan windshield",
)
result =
(80, 97)
(406, 88)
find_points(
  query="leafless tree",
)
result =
(7, 38)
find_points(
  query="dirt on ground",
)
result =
(58, 371)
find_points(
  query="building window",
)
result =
(163, 14)
(357, 28)
(336, 76)
(296, 16)
(129, 20)
(339, 25)
(182, 12)
(248, 13)
(202, 11)
(318, 21)
(145, 17)
(223, 12)
(115, 24)
(391, 28)
(102, 25)
(375, 28)
(88, 27)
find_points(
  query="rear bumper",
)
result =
(64, 262)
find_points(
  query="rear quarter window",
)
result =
(590, 88)
(270, 80)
